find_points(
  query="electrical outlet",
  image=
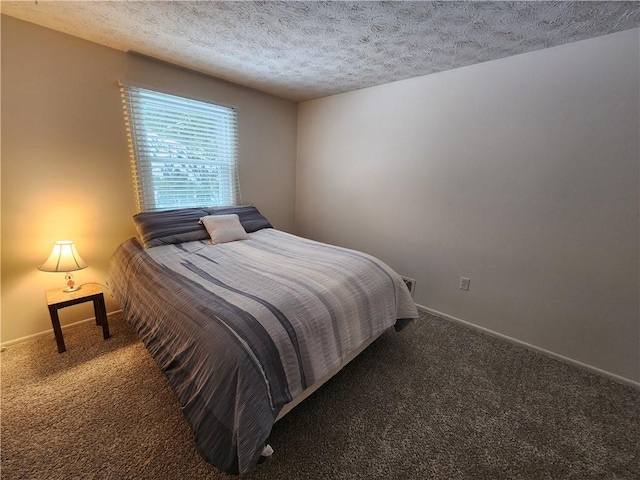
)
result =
(464, 283)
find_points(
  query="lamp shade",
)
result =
(64, 258)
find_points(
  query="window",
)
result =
(184, 151)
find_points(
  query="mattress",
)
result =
(242, 329)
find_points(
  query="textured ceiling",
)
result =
(305, 50)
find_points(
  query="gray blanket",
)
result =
(242, 328)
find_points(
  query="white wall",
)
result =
(521, 173)
(65, 162)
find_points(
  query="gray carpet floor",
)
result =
(437, 401)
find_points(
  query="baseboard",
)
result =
(548, 353)
(50, 331)
(534, 348)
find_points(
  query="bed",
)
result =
(245, 329)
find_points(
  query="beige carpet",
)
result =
(437, 401)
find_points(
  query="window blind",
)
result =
(184, 152)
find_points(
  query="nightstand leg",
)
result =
(101, 315)
(53, 312)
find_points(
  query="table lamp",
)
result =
(64, 258)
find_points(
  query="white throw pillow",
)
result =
(224, 228)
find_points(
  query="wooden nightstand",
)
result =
(57, 299)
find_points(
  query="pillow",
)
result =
(224, 228)
(170, 226)
(182, 225)
(250, 218)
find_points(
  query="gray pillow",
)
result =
(250, 218)
(170, 226)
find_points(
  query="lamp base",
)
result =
(71, 285)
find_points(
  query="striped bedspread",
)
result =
(242, 328)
